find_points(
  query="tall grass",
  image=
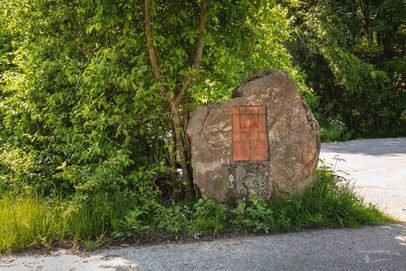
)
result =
(28, 220)
(95, 216)
(32, 220)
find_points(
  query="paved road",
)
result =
(369, 248)
(378, 167)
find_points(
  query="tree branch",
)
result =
(152, 50)
(191, 79)
(200, 41)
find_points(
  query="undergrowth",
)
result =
(28, 220)
(334, 130)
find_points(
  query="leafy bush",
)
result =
(203, 216)
(80, 108)
(333, 130)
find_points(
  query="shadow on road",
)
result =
(376, 147)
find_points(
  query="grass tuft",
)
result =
(27, 221)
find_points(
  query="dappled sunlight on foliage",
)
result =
(81, 111)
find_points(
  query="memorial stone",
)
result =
(263, 142)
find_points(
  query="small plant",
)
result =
(254, 216)
(98, 243)
(208, 216)
(334, 130)
(131, 225)
(172, 219)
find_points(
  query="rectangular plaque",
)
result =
(259, 150)
(249, 133)
(241, 150)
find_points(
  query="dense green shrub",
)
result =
(353, 53)
(80, 109)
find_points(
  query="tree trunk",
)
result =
(181, 150)
(177, 186)
(190, 79)
(186, 138)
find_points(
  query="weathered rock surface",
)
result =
(293, 142)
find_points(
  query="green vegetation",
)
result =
(95, 97)
(354, 56)
(27, 221)
(31, 221)
(84, 110)
(334, 130)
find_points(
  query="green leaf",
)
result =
(62, 166)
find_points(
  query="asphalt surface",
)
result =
(378, 169)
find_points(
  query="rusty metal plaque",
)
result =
(249, 133)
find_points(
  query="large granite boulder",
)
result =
(263, 142)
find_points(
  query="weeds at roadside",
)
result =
(98, 243)
(28, 220)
